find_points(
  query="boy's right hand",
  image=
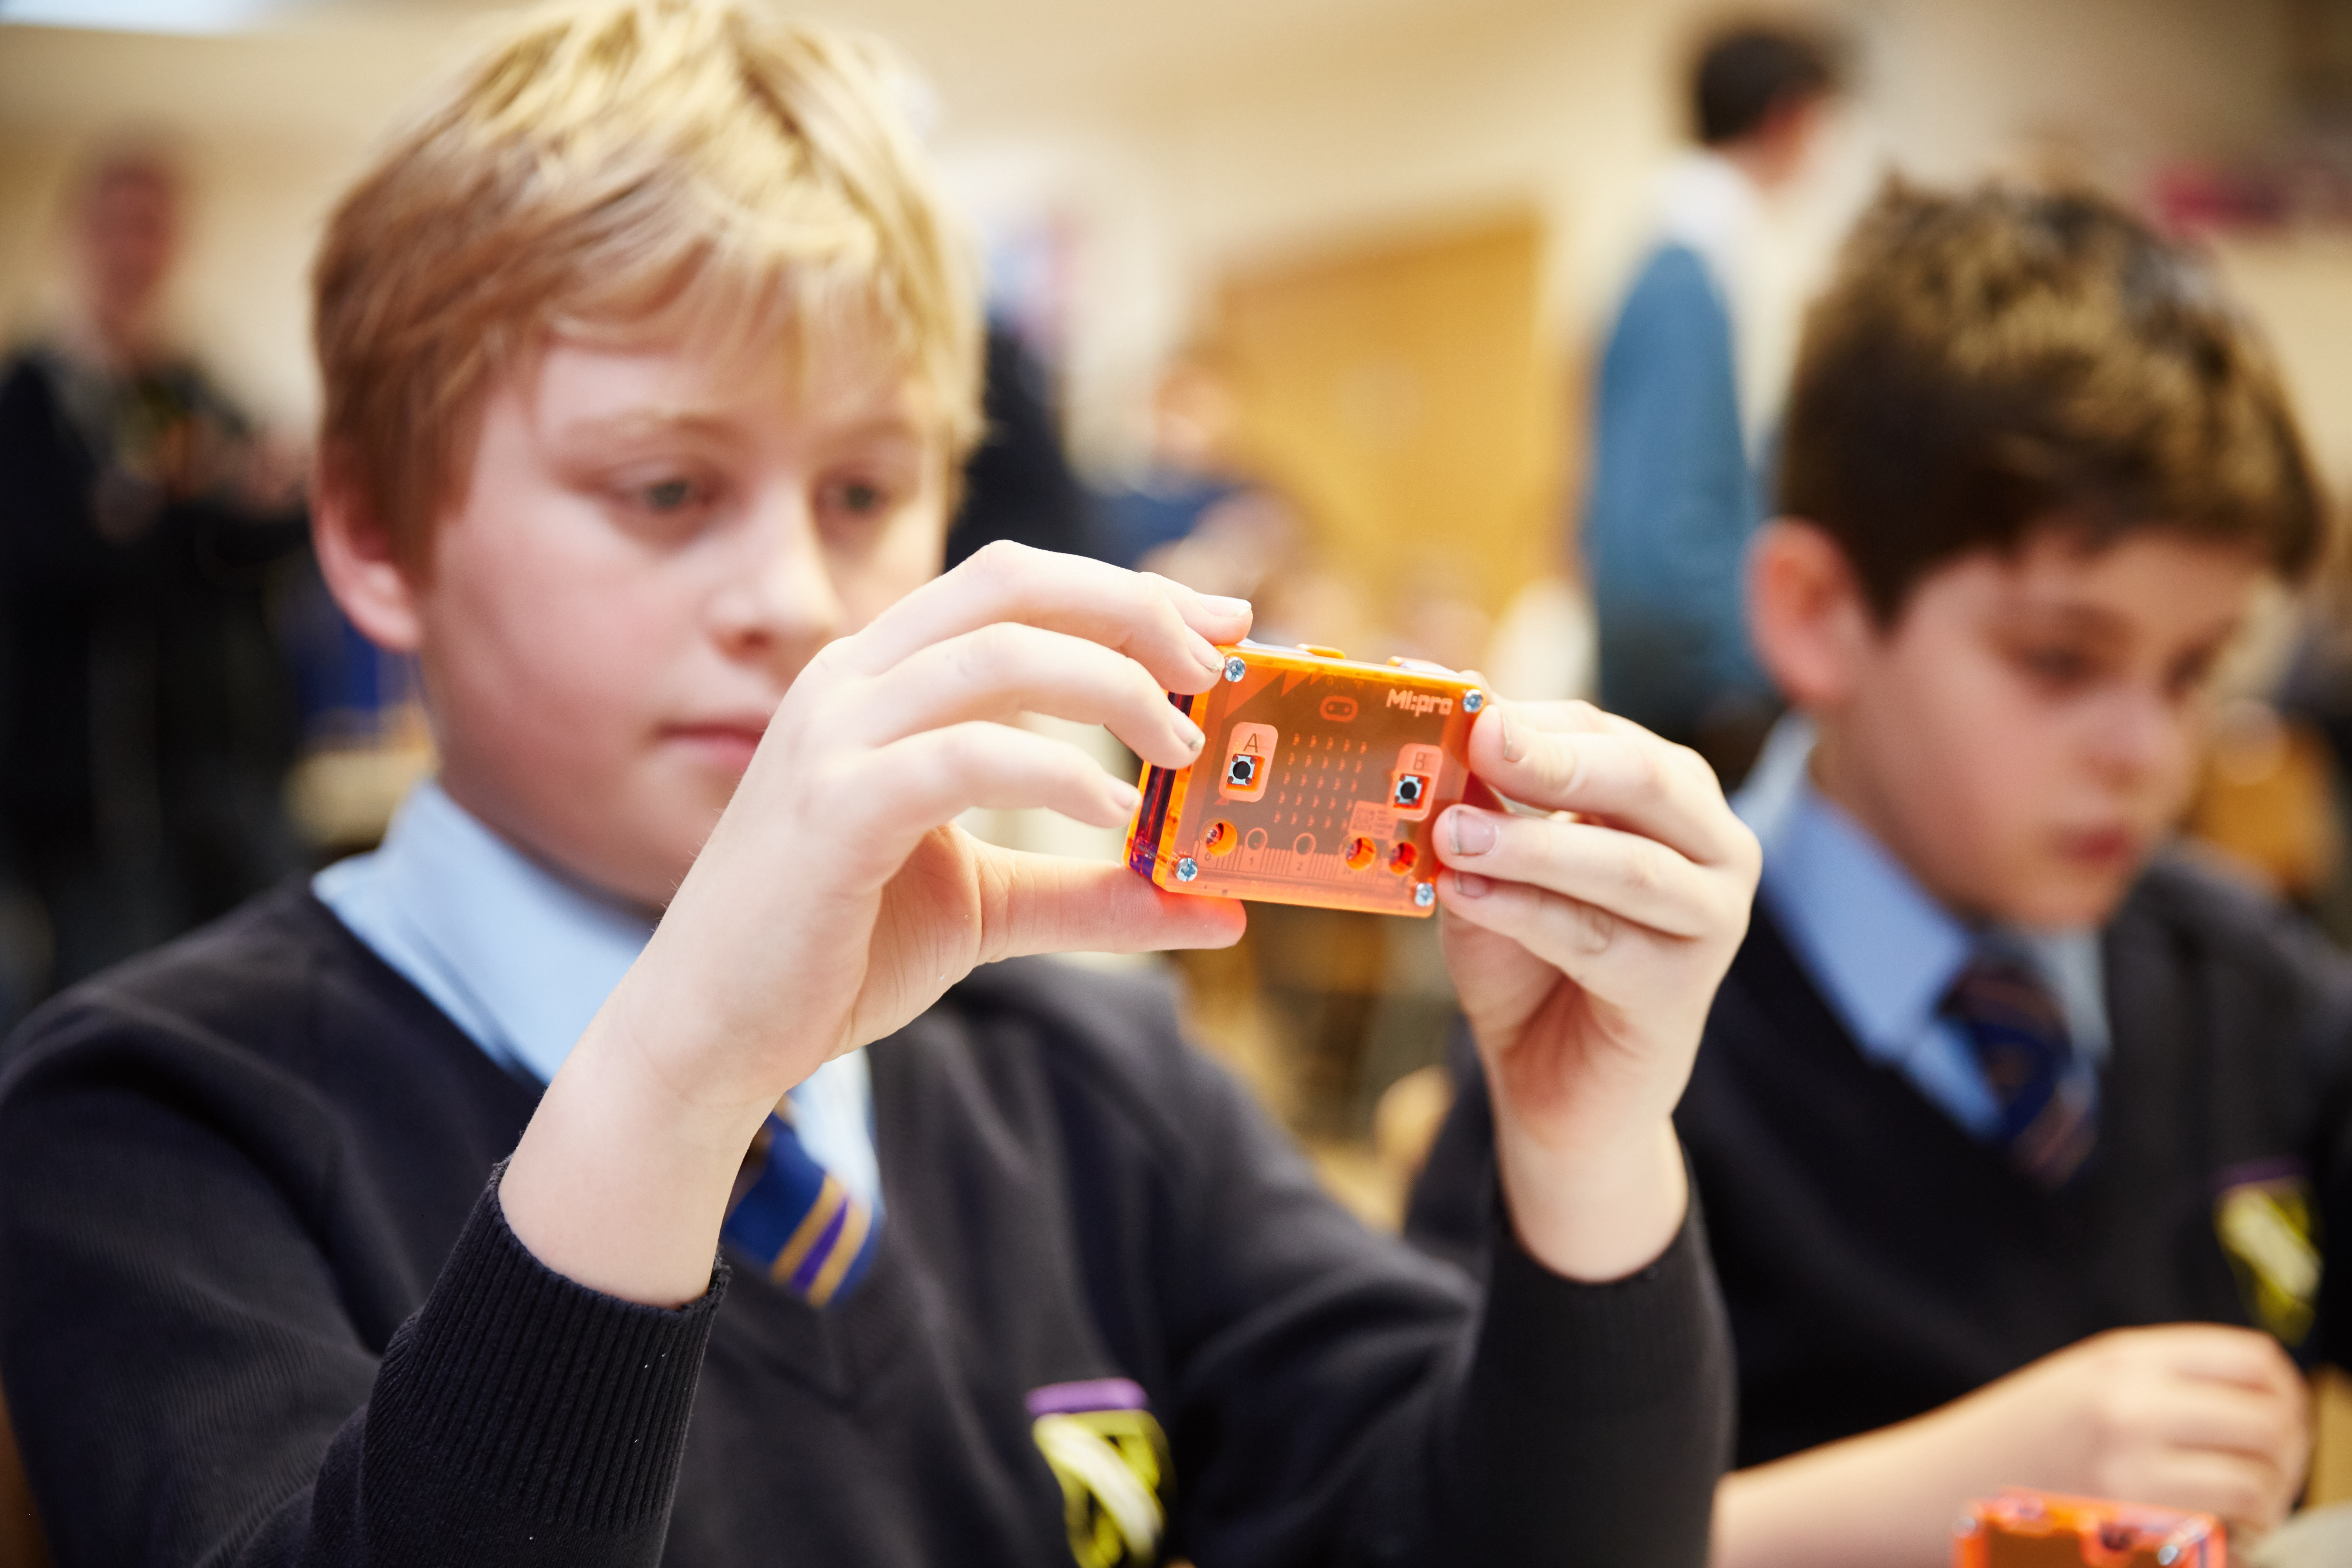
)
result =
(2189, 1416)
(835, 900)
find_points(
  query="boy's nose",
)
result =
(774, 596)
(2140, 734)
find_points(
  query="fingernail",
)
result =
(1474, 832)
(1188, 732)
(1225, 606)
(1509, 737)
(1470, 885)
(1206, 653)
(1125, 794)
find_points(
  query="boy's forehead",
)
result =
(2155, 581)
(654, 384)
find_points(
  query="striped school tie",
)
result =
(798, 1221)
(2048, 1099)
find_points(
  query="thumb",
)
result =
(1049, 903)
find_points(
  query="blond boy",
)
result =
(378, 1222)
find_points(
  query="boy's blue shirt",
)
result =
(1882, 951)
(521, 959)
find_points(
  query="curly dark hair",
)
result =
(2004, 360)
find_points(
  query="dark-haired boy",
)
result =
(2013, 1128)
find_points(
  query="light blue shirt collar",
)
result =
(521, 959)
(1882, 951)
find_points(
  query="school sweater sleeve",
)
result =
(157, 1176)
(1338, 1398)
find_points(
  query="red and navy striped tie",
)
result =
(2048, 1099)
(798, 1221)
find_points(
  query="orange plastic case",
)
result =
(2038, 1529)
(1318, 784)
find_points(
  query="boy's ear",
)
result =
(355, 557)
(1813, 626)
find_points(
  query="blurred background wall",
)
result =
(1142, 155)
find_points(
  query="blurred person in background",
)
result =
(1188, 475)
(1018, 484)
(146, 714)
(1204, 514)
(1675, 490)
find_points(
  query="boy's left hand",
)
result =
(1587, 946)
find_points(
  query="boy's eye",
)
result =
(856, 501)
(2055, 667)
(668, 495)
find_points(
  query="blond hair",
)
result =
(687, 171)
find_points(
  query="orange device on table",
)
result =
(2036, 1529)
(1320, 782)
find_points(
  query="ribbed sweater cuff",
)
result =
(546, 1400)
(1598, 1349)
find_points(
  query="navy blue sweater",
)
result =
(1879, 1262)
(258, 1305)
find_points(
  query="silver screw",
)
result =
(1424, 893)
(1473, 699)
(1235, 668)
(1187, 869)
